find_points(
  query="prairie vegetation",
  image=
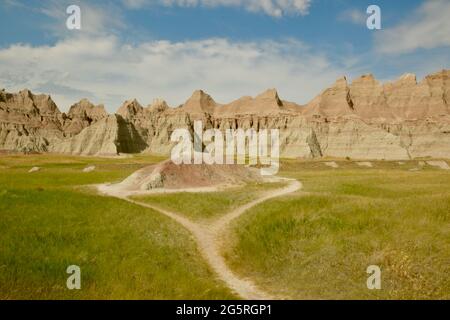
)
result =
(318, 243)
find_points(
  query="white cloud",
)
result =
(107, 70)
(275, 8)
(428, 28)
(354, 16)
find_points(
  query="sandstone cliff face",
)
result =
(82, 115)
(28, 122)
(108, 136)
(155, 123)
(394, 102)
(364, 119)
(334, 102)
(420, 101)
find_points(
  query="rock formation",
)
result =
(28, 122)
(109, 136)
(365, 119)
(82, 115)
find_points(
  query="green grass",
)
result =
(318, 245)
(208, 205)
(125, 251)
(313, 245)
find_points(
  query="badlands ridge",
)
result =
(366, 119)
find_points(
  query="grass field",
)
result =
(125, 251)
(317, 244)
(208, 205)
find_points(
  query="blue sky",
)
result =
(167, 48)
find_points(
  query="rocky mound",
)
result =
(169, 176)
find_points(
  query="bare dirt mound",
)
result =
(168, 176)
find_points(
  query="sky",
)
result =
(148, 49)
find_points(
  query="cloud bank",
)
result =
(429, 28)
(107, 70)
(274, 8)
(102, 66)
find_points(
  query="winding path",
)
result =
(209, 239)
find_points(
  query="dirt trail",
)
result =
(209, 239)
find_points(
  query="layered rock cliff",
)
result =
(364, 119)
(82, 115)
(28, 122)
(110, 135)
